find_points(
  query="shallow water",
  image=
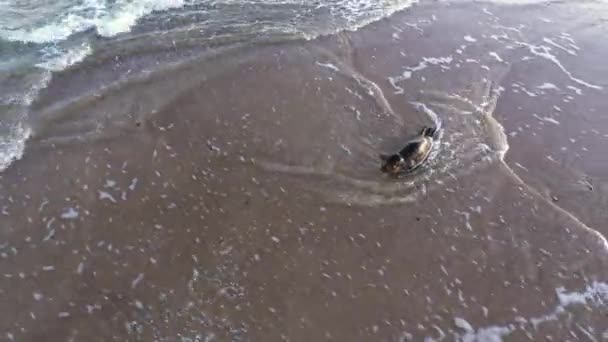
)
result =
(39, 39)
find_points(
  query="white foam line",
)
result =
(423, 64)
(60, 61)
(12, 146)
(550, 120)
(32, 94)
(428, 111)
(328, 66)
(509, 28)
(563, 48)
(414, 26)
(431, 60)
(595, 294)
(543, 52)
(523, 89)
(547, 85)
(522, 167)
(387, 11)
(578, 91)
(496, 56)
(137, 280)
(490, 333)
(106, 21)
(545, 119)
(394, 80)
(565, 36)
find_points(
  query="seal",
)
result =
(414, 154)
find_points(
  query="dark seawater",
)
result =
(209, 170)
(39, 39)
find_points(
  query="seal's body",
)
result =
(414, 154)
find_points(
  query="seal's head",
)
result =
(428, 132)
(393, 164)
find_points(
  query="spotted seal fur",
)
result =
(414, 154)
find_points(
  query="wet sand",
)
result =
(239, 198)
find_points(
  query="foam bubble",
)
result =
(496, 56)
(370, 11)
(594, 295)
(59, 60)
(547, 85)
(13, 145)
(107, 20)
(127, 14)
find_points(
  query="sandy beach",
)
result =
(238, 196)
